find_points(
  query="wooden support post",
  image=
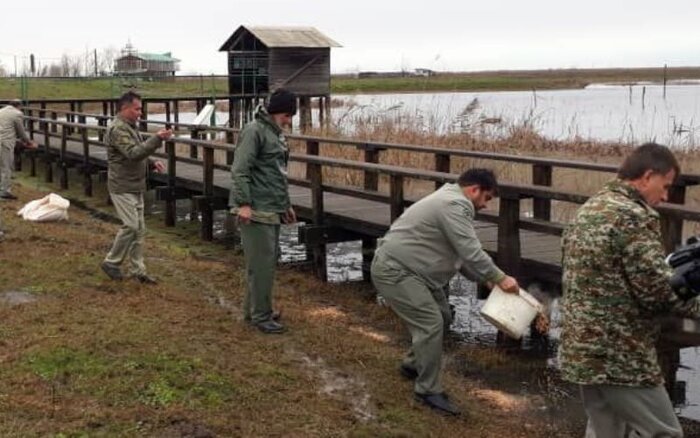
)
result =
(206, 210)
(371, 177)
(62, 160)
(167, 115)
(54, 125)
(321, 115)
(396, 199)
(32, 163)
(305, 121)
(327, 104)
(71, 117)
(87, 169)
(672, 228)
(319, 251)
(30, 124)
(48, 174)
(508, 256)
(442, 164)
(194, 135)
(171, 202)
(542, 176)
(105, 108)
(369, 244)
(312, 148)
(176, 111)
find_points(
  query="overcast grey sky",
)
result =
(375, 34)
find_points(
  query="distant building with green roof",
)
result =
(135, 63)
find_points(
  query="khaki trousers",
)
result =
(128, 244)
(7, 165)
(616, 411)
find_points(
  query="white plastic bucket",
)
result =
(511, 313)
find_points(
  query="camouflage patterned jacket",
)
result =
(615, 281)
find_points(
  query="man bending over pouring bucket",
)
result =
(615, 282)
(418, 256)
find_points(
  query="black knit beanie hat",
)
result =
(282, 101)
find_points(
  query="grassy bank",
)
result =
(91, 357)
(509, 80)
(40, 88)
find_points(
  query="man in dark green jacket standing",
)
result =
(260, 199)
(127, 155)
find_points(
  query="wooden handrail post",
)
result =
(30, 124)
(371, 177)
(194, 135)
(62, 160)
(48, 174)
(171, 201)
(205, 207)
(87, 170)
(312, 148)
(508, 256)
(542, 176)
(396, 199)
(672, 228)
(315, 174)
(54, 125)
(442, 164)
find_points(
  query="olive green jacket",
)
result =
(259, 169)
(435, 238)
(127, 155)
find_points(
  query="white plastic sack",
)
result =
(49, 208)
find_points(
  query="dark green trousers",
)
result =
(260, 246)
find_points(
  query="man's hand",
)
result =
(509, 285)
(165, 134)
(289, 216)
(158, 166)
(244, 214)
(31, 145)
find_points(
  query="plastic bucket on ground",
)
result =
(511, 313)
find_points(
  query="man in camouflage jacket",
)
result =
(615, 282)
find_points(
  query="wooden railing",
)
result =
(508, 219)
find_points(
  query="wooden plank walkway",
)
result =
(343, 211)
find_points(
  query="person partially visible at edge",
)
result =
(259, 198)
(11, 130)
(128, 165)
(615, 282)
(424, 248)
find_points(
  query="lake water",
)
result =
(601, 112)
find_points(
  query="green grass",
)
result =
(103, 88)
(41, 88)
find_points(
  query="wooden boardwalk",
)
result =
(362, 216)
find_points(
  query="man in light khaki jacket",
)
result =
(11, 129)
(424, 248)
(127, 155)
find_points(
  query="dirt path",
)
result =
(84, 356)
